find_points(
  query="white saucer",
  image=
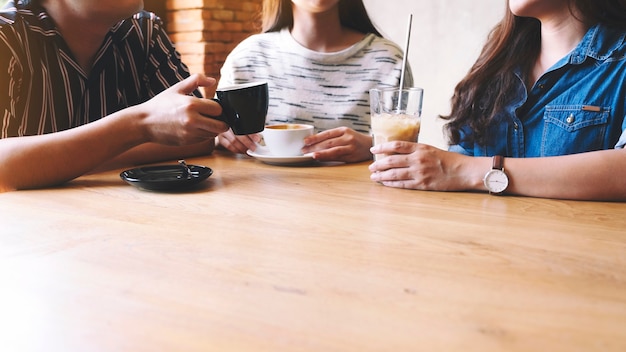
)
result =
(268, 158)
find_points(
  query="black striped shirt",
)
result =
(43, 89)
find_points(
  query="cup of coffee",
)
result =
(396, 114)
(244, 106)
(286, 139)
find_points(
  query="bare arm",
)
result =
(152, 152)
(597, 175)
(587, 176)
(173, 118)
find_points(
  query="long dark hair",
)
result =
(278, 14)
(513, 43)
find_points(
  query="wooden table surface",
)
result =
(315, 258)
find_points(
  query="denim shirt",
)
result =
(577, 106)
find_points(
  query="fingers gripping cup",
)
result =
(396, 114)
(244, 106)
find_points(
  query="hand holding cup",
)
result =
(396, 114)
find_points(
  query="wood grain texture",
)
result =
(319, 258)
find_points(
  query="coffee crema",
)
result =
(287, 126)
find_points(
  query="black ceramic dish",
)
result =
(166, 177)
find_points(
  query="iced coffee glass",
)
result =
(396, 114)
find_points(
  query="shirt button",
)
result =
(570, 118)
(515, 126)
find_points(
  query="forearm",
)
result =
(50, 159)
(595, 175)
(152, 152)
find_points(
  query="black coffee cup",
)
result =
(244, 106)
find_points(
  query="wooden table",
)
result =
(316, 258)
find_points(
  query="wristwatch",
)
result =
(496, 179)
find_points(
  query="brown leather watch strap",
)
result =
(498, 162)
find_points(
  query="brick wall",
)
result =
(205, 31)
(158, 7)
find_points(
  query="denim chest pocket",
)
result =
(570, 129)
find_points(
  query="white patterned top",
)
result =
(327, 90)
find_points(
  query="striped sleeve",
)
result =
(163, 64)
(10, 72)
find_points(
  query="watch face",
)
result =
(496, 181)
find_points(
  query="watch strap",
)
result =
(498, 162)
